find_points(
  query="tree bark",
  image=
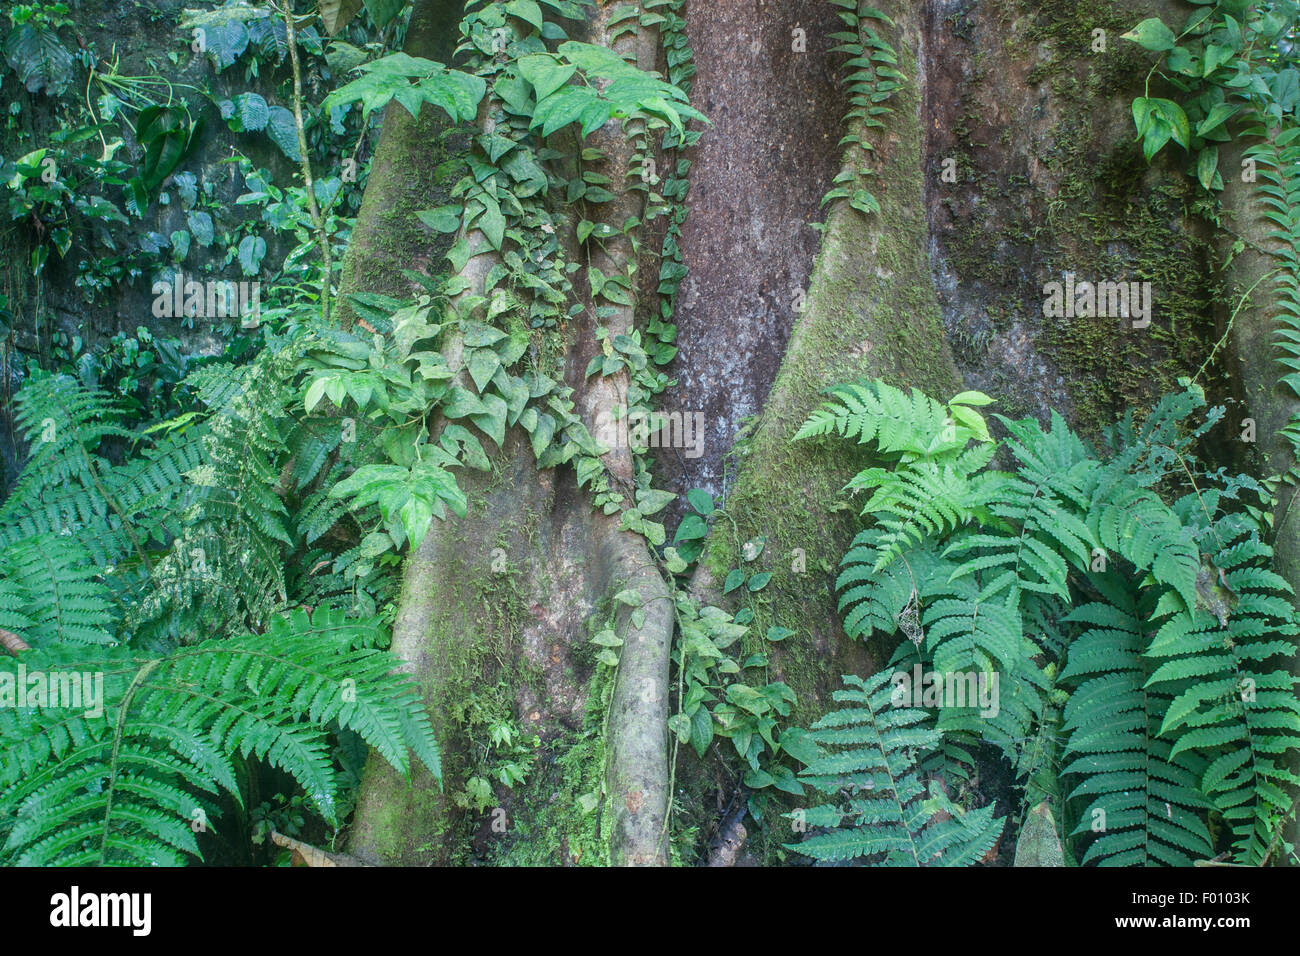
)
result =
(941, 290)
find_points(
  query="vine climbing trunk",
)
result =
(493, 608)
(1249, 252)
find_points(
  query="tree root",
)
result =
(637, 767)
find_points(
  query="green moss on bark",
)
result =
(872, 312)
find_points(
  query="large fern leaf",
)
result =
(126, 785)
(1139, 798)
(1233, 693)
(54, 593)
(881, 810)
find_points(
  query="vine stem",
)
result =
(304, 164)
(1245, 297)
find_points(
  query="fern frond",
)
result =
(881, 602)
(1134, 523)
(57, 591)
(118, 786)
(1233, 693)
(926, 498)
(872, 411)
(882, 810)
(60, 490)
(1141, 797)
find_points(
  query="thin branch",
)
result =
(304, 162)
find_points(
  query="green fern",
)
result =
(992, 572)
(882, 811)
(1037, 530)
(1226, 665)
(935, 483)
(1140, 797)
(127, 786)
(64, 487)
(874, 412)
(883, 601)
(1276, 156)
(54, 593)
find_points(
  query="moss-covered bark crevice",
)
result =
(872, 312)
(1031, 108)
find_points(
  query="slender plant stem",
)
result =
(318, 221)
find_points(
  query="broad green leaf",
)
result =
(526, 10)
(545, 73)
(701, 501)
(1207, 164)
(383, 11)
(1152, 34)
(336, 14)
(42, 62)
(442, 219)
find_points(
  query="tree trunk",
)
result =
(1007, 161)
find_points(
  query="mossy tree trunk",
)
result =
(942, 289)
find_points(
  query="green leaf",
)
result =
(459, 255)
(759, 581)
(734, 580)
(412, 81)
(629, 596)
(251, 113)
(1152, 34)
(691, 528)
(758, 779)
(864, 202)
(252, 249)
(650, 501)
(701, 501)
(701, 730)
(971, 420)
(201, 227)
(383, 11)
(526, 10)
(42, 63)
(483, 364)
(1142, 114)
(970, 398)
(799, 744)
(1216, 117)
(492, 422)
(1172, 114)
(545, 73)
(442, 219)
(282, 128)
(492, 222)
(1207, 164)
(336, 14)
(565, 106)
